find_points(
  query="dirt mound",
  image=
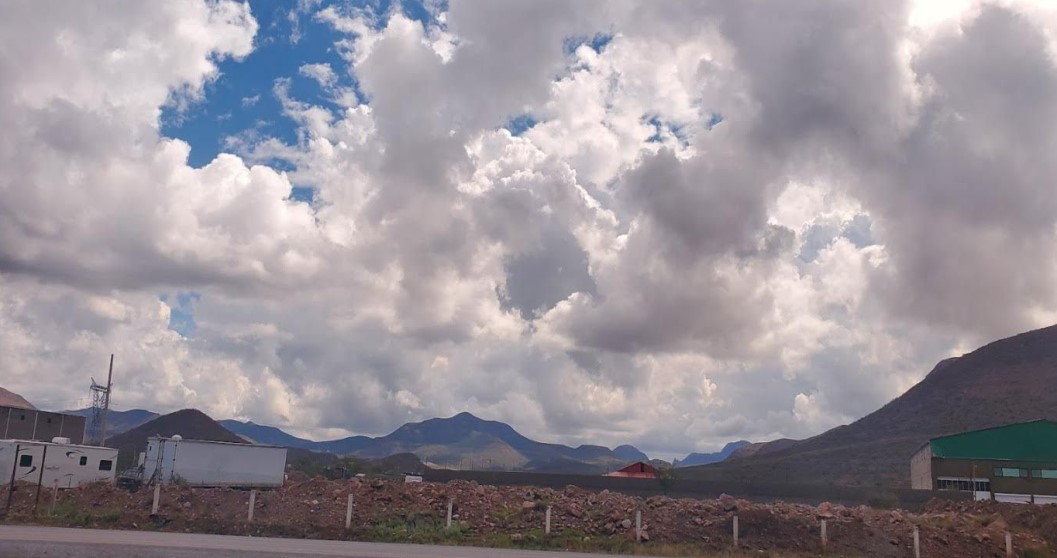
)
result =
(581, 520)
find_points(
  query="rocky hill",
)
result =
(762, 448)
(1007, 381)
(12, 399)
(192, 424)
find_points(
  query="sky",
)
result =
(671, 224)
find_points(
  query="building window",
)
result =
(1044, 473)
(84, 461)
(964, 485)
(1011, 472)
(25, 461)
(106, 465)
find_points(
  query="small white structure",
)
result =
(206, 463)
(61, 462)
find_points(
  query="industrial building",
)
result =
(30, 424)
(1012, 463)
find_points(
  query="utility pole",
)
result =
(106, 406)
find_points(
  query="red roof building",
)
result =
(637, 470)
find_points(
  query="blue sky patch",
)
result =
(714, 120)
(520, 124)
(663, 127)
(181, 312)
(303, 194)
(597, 42)
(241, 101)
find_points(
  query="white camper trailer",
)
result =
(205, 463)
(61, 462)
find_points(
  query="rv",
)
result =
(206, 463)
(57, 462)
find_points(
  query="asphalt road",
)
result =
(53, 542)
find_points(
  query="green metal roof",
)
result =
(1025, 441)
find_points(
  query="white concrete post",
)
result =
(449, 513)
(54, 497)
(735, 530)
(824, 541)
(253, 503)
(547, 522)
(1009, 545)
(157, 499)
(638, 525)
(348, 513)
(917, 543)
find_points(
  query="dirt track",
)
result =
(581, 520)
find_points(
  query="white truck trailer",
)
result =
(61, 462)
(206, 463)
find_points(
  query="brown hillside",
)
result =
(12, 399)
(192, 424)
(762, 448)
(1011, 380)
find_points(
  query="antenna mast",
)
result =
(100, 407)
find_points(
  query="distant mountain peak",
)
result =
(715, 457)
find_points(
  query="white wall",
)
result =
(215, 464)
(921, 469)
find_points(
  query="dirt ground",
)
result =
(580, 520)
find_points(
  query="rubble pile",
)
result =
(481, 514)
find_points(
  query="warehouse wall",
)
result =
(921, 469)
(984, 469)
(29, 424)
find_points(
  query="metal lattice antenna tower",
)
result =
(100, 407)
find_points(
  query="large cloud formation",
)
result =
(720, 220)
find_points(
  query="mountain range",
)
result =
(715, 457)
(1010, 380)
(1007, 381)
(463, 441)
(119, 421)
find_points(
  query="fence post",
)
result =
(1009, 545)
(547, 522)
(449, 513)
(54, 497)
(253, 502)
(735, 531)
(157, 499)
(917, 543)
(638, 525)
(348, 513)
(823, 528)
